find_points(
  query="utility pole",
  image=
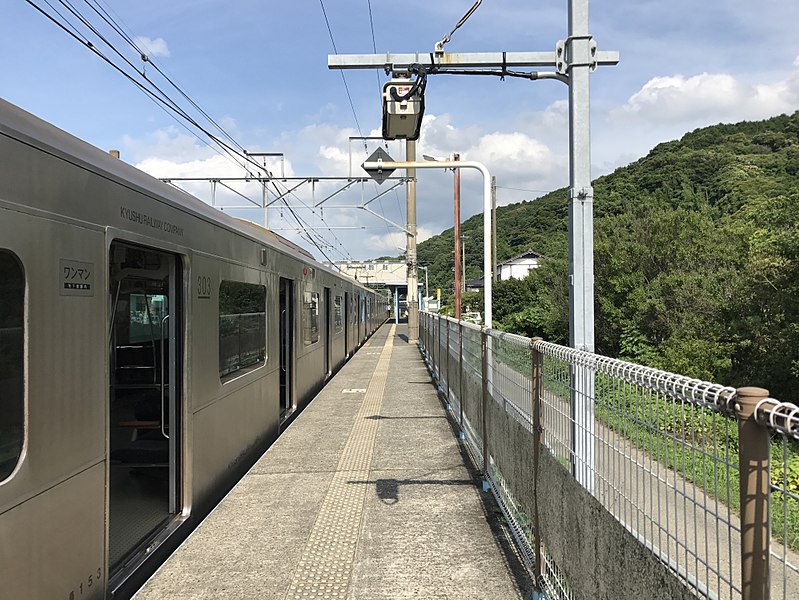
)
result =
(578, 53)
(458, 272)
(494, 225)
(410, 252)
(573, 60)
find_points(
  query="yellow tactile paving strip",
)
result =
(326, 563)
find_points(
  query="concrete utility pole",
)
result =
(410, 252)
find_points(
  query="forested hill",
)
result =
(696, 257)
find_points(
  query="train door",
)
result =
(286, 346)
(327, 337)
(347, 322)
(362, 328)
(145, 400)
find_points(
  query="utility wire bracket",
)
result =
(565, 52)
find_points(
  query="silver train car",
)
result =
(151, 348)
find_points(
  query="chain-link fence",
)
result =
(645, 466)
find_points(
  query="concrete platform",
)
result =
(367, 495)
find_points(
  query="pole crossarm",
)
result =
(268, 179)
(302, 181)
(396, 62)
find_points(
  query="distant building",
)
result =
(475, 285)
(390, 275)
(375, 273)
(519, 266)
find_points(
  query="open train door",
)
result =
(286, 347)
(328, 312)
(347, 323)
(146, 371)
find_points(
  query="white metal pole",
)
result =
(461, 164)
(410, 251)
(581, 240)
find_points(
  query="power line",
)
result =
(464, 18)
(374, 49)
(232, 150)
(515, 189)
(94, 5)
(156, 94)
(344, 79)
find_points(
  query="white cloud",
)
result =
(709, 98)
(392, 243)
(517, 159)
(152, 47)
(668, 106)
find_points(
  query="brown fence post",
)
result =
(436, 360)
(461, 399)
(537, 387)
(449, 381)
(484, 353)
(753, 460)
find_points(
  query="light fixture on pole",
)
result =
(403, 107)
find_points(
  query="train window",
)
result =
(242, 328)
(310, 317)
(12, 362)
(338, 314)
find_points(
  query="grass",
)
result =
(699, 444)
(702, 446)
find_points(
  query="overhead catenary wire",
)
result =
(464, 18)
(155, 94)
(95, 5)
(300, 222)
(230, 149)
(344, 79)
(374, 49)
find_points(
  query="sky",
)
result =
(259, 69)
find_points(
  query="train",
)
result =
(152, 348)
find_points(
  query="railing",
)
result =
(647, 498)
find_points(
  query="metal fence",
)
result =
(682, 465)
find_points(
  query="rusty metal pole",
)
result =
(484, 432)
(458, 273)
(537, 387)
(753, 460)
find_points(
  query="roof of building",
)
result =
(530, 253)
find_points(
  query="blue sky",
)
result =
(260, 69)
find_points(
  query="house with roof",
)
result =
(519, 266)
